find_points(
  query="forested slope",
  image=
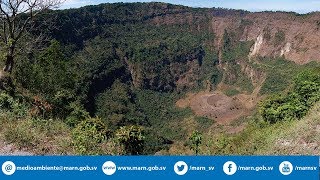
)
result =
(109, 76)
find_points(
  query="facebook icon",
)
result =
(229, 168)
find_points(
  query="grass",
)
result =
(231, 92)
(43, 137)
(53, 136)
(203, 123)
(244, 83)
(300, 137)
(260, 138)
(37, 136)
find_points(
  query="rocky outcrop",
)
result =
(256, 47)
(294, 37)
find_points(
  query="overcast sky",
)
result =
(300, 6)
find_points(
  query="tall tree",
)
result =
(16, 19)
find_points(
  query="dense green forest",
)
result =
(108, 78)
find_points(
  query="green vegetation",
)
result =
(232, 53)
(280, 73)
(50, 78)
(276, 120)
(297, 102)
(262, 138)
(244, 83)
(195, 141)
(132, 138)
(108, 81)
(209, 72)
(118, 106)
(88, 135)
(120, 70)
(161, 111)
(275, 82)
(39, 136)
(204, 123)
(231, 92)
(279, 38)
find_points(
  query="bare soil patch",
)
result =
(11, 150)
(217, 106)
(214, 105)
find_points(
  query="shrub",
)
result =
(307, 85)
(88, 135)
(203, 123)
(132, 139)
(40, 107)
(114, 102)
(48, 75)
(195, 141)
(6, 101)
(17, 107)
(274, 83)
(61, 101)
(281, 108)
(78, 114)
(296, 103)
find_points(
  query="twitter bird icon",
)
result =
(181, 168)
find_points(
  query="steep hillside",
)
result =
(274, 34)
(164, 47)
(295, 37)
(282, 138)
(299, 137)
(158, 72)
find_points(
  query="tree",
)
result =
(296, 103)
(17, 18)
(50, 76)
(195, 140)
(114, 104)
(132, 138)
